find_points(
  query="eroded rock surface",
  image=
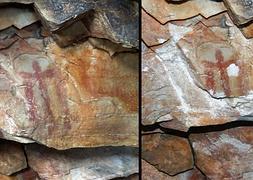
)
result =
(74, 97)
(81, 99)
(92, 18)
(196, 83)
(149, 172)
(165, 11)
(241, 10)
(169, 154)
(18, 17)
(12, 158)
(99, 163)
(155, 34)
(201, 76)
(226, 154)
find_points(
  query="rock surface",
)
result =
(73, 97)
(100, 163)
(12, 158)
(149, 172)
(98, 19)
(226, 154)
(80, 99)
(155, 34)
(169, 154)
(201, 76)
(18, 17)
(164, 11)
(241, 10)
(196, 83)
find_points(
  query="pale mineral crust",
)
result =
(155, 101)
(168, 153)
(12, 158)
(149, 172)
(80, 96)
(94, 163)
(225, 154)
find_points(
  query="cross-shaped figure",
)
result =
(221, 65)
(39, 76)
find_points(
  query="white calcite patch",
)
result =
(160, 40)
(233, 70)
(177, 32)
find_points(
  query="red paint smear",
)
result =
(30, 98)
(40, 77)
(222, 67)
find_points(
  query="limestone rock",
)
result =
(201, 76)
(155, 101)
(242, 10)
(18, 17)
(164, 11)
(73, 97)
(149, 172)
(12, 158)
(153, 33)
(225, 154)
(92, 18)
(248, 31)
(99, 163)
(168, 153)
(222, 67)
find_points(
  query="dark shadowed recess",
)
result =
(199, 129)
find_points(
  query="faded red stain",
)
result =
(31, 101)
(39, 76)
(109, 79)
(221, 65)
(243, 78)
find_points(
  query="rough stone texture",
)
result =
(155, 101)
(72, 97)
(153, 32)
(203, 80)
(164, 11)
(248, 31)
(12, 158)
(92, 18)
(170, 154)
(18, 17)
(198, 80)
(149, 172)
(241, 10)
(80, 99)
(223, 69)
(226, 154)
(100, 163)
(27, 174)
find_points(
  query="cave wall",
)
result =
(68, 89)
(197, 89)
